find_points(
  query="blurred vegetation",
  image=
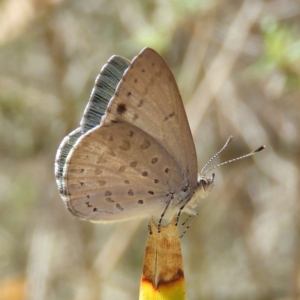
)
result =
(281, 53)
(237, 64)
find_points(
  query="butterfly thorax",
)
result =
(204, 186)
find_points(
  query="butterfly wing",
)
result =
(141, 156)
(148, 97)
(105, 87)
(117, 172)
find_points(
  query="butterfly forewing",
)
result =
(148, 97)
(104, 89)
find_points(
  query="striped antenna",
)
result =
(203, 172)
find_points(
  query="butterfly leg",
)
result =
(149, 229)
(186, 220)
(179, 213)
(162, 215)
(187, 227)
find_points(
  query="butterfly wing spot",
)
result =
(118, 206)
(75, 171)
(169, 116)
(167, 170)
(122, 169)
(108, 199)
(107, 193)
(101, 182)
(151, 192)
(156, 181)
(154, 160)
(101, 161)
(145, 174)
(130, 192)
(141, 201)
(133, 164)
(125, 145)
(145, 145)
(102, 211)
(140, 104)
(131, 133)
(121, 109)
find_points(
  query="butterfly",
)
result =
(133, 155)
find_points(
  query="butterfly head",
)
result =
(205, 184)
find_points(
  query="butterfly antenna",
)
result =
(217, 154)
(235, 159)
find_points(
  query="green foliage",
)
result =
(281, 52)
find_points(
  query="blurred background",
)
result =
(237, 64)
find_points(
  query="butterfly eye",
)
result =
(206, 183)
(203, 182)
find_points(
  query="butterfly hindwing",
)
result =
(117, 172)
